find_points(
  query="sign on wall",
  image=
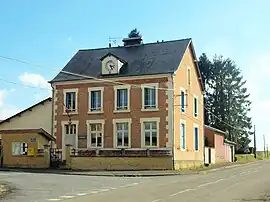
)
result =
(31, 151)
(33, 139)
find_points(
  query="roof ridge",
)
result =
(144, 44)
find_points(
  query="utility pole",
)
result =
(264, 151)
(255, 155)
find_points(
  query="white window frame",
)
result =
(149, 85)
(195, 97)
(88, 122)
(196, 126)
(181, 140)
(119, 87)
(189, 76)
(115, 121)
(101, 89)
(185, 100)
(20, 147)
(71, 90)
(142, 121)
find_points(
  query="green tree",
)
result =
(226, 99)
(134, 33)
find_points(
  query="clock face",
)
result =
(110, 66)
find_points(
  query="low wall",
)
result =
(119, 159)
(27, 162)
(39, 160)
(120, 163)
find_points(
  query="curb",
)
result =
(61, 172)
(90, 174)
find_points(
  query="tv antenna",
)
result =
(113, 40)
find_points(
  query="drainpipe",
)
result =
(172, 122)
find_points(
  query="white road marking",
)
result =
(180, 192)
(94, 192)
(104, 190)
(67, 196)
(156, 200)
(208, 183)
(81, 194)
(129, 185)
(54, 199)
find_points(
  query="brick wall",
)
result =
(108, 106)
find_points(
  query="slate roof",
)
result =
(144, 59)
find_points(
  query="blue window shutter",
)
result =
(196, 139)
(195, 107)
(182, 101)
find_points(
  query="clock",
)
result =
(110, 65)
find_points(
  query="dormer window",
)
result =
(111, 64)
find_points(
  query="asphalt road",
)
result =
(245, 183)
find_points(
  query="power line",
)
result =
(115, 82)
(22, 84)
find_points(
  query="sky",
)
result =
(48, 33)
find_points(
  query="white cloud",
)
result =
(35, 80)
(2, 97)
(6, 110)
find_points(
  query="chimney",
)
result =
(110, 45)
(133, 41)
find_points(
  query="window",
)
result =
(70, 134)
(95, 135)
(71, 101)
(150, 96)
(189, 76)
(183, 135)
(196, 138)
(95, 99)
(70, 129)
(195, 106)
(122, 134)
(182, 101)
(150, 132)
(19, 148)
(121, 97)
